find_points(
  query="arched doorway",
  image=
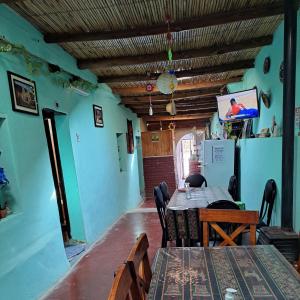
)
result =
(187, 154)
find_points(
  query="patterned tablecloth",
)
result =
(200, 197)
(258, 272)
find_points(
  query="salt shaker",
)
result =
(230, 294)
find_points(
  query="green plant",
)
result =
(228, 129)
(36, 66)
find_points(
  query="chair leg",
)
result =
(163, 240)
(178, 243)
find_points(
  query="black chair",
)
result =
(233, 188)
(196, 180)
(267, 203)
(168, 219)
(161, 209)
(165, 191)
(224, 204)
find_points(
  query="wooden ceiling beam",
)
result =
(213, 19)
(179, 110)
(178, 105)
(185, 94)
(237, 65)
(10, 1)
(129, 91)
(156, 118)
(98, 63)
(153, 126)
(195, 100)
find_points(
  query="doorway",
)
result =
(52, 141)
(140, 165)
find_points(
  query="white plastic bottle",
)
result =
(230, 294)
(187, 190)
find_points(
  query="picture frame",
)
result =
(155, 137)
(23, 94)
(98, 116)
(130, 141)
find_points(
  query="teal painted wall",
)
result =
(32, 256)
(261, 158)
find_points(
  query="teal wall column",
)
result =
(32, 255)
(261, 157)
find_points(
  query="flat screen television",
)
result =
(238, 106)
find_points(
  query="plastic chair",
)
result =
(222, 204)
(161, 209)
(165, 191)
(233, 188)
(166, 216)
(196, 180)
(267, 203)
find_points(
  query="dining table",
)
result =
(200, 197)
(255, 272)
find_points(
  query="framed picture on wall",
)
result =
(23, 94)
(98, 116)
(130, 142)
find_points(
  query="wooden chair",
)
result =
(124, 286)
(139, 264)
(243, 218)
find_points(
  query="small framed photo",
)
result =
(98, 116)
(23, 94)
(130, 141)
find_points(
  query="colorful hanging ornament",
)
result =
(149, 87)
(167, 81)
(170, 41)
(170, 54)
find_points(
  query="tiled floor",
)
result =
(92, 277)
(150, 203)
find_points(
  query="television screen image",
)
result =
(237, 106)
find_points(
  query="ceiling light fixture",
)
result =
(149, 88)
(150, 107)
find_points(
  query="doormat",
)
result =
(73, 250)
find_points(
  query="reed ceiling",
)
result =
(124, 41)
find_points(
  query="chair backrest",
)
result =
(233, 188)
(196, 180)
(160, 206)
(139, 264)
(268, 201)
(223, 204)
(124, 286)
(165, 191)
(243, 218)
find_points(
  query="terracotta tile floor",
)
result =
(150, 203)
(92, 277)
